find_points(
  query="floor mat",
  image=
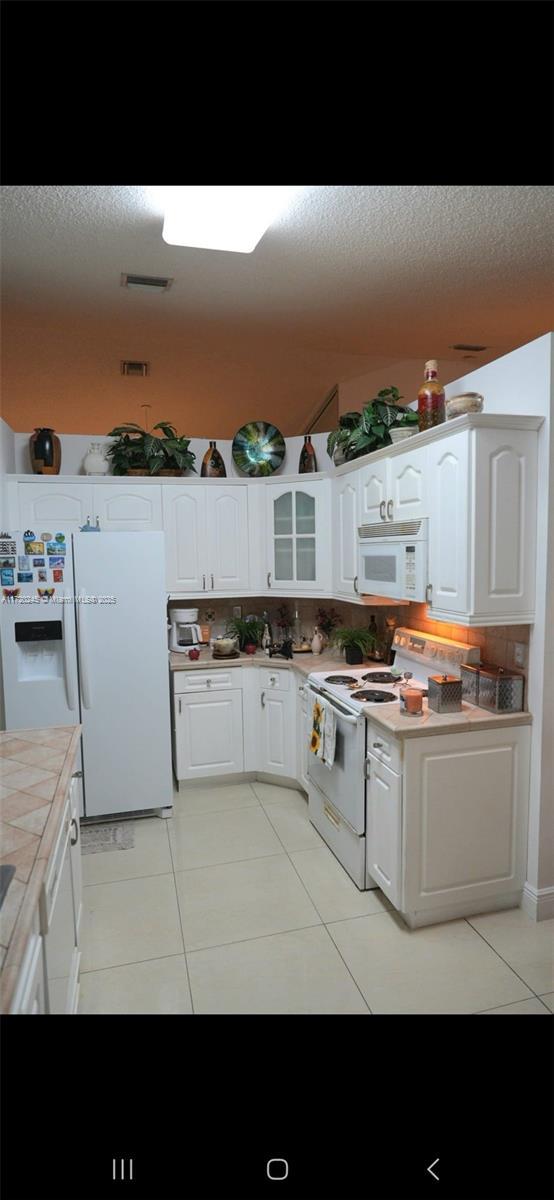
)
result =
(117, 835)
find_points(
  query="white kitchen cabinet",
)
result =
(303, 724)
(344, 499)
(29, 997)
(127, 506)
(277, 751)
(207, 538)
(75, 789)
(394, 488)
(208, 733)
(58, 904)
(298, 537)
(384, 829)
(465, 822)
(482, 529)
(49, 507)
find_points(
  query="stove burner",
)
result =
(341, 679)
(380, 677)
(374, 697)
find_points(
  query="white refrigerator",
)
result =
(84, 640)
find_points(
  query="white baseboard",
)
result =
(538, 903)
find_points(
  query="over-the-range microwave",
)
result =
(392, 560)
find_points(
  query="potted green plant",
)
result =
(338, 438)
(355, 642)
(247, 630)
(361, 433)
(137, 452)
(406, 425)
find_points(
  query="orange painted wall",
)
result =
(62, 368)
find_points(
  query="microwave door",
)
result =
(379, 570)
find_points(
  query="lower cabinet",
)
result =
(303, 715)
(384, 829)
(208, 733)
(58, 905)
(277, 753)
(30, 994)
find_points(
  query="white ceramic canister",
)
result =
(317, 642)
(95, 461)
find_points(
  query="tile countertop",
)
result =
(386, 715)
(35, 767)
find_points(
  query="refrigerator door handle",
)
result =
(68, 677)
(83, 662)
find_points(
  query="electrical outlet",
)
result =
(519, 654)
(237, 611)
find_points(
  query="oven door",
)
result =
(393, 567)
(344, 783)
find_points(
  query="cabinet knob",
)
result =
(269, 579)
(429, 593)
(208, 683)
(382, 510)
(262, 699)
(389, 509)
(75, 839)
(204, 582)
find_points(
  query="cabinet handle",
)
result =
(389, 509)
(382, 510)
(356, 584)
(269, 579)
(331, 817)
(208, 683)
(429, 593)
(262, 699)
(367, 768)
(77, 775)
(76, 838)
(377, 745)
(180, 703)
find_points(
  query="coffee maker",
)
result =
(184, 632)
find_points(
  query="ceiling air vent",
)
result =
(154, 283)
(466, 346)
(131, 366)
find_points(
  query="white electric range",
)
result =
(337, 794)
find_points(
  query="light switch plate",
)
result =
(237, 610)
(519, 654)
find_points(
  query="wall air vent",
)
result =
(131, 366)
(466, 346)
(153, 283)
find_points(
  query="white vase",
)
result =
(317, 642)
(95, 461)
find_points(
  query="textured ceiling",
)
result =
(348, 278)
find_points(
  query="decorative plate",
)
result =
(258, 448)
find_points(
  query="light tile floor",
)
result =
(236, 905)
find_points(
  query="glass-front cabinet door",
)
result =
(298, 537)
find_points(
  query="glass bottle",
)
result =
(372, 627)
(296, 629)
(430, 398)
(308, 460)
(212, 463)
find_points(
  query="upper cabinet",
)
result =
(344, 492)
(66, 505)
(482, 528)
(394, 488)
(298, 537)
(129, 507)
(207, 538)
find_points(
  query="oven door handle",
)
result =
(342, 715)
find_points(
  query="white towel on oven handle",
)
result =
(329, 735)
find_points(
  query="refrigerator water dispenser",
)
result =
(39, 650)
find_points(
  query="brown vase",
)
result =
(212, 464)
(137, 471)
(308, 461)
(46, 451)
(171, 471)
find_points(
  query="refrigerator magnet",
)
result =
(7, 575)
(29, 535)
(57, 560)
(11, 594)
(43, 577)
(45, 593)
(7, 562)
(34, 547)
(57, 576)
(39, 562)
(24, 576)
(23, 562)
(46, 537)
(7, 546)
(55, 548)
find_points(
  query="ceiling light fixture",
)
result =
(221, 218)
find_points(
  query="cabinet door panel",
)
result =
(373, 492)
(185, 527)
(228, 551)
(505, 507)
(407, 488)
(208, 734)
(384, 831)
(43, 506)
(448, 464)
(297, 531)
(277, 752)
(128, 506)
(345, 549)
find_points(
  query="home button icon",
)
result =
(277, 1168)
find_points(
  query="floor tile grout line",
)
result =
(183, 816)
(231, 862)
(134, 963)
(504, 960)
(510, 1003)
(181, 924)
(257, 937)
(312, 901)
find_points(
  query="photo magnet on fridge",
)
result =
(39, 562)
(57, 576)
(43, 576)
(55, 548)
(11, 594)
(34, 547)
(24, 576)
(57, 560)
(7, 546)
(7, 575)
(23, 562)
(7, 562)
(45, 593)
